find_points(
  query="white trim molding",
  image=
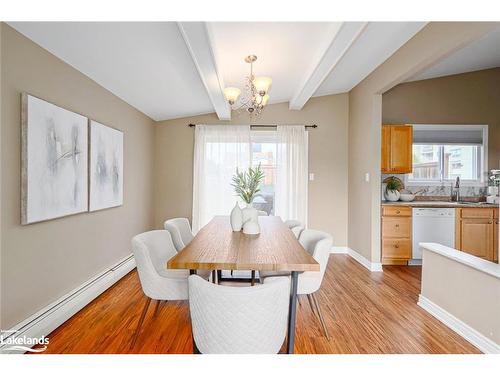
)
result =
(476, 338)
(372, 266)
(339, 250)
(52, 316)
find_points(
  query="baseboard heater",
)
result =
(52, 316)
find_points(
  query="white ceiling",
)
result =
(284, 50)
(375, 45)
(481, 54)
(166, 73)
(147, 64)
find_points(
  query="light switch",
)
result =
(367, 177)
(311, 176)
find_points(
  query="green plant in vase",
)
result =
(392, 189)
(246, 186)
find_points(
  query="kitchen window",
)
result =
(441, 153)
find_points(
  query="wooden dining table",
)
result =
(217, 247)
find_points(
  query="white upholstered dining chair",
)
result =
(151, 251)
(239, 320)
(318, 244)
(297, 230)
(292, 223)
(295, 226)
(180, 230)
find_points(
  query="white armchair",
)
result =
(318, 244)
(151, 251)
(180, 230)
(230, 320)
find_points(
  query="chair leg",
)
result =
(141, 320)
(320, 314)
(253, 278)
(309, 298)
(219, 276)
(157, 307)
(213, 276)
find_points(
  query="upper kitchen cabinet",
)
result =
(397, 141)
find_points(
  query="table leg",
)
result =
(192, 272)
(292, 313)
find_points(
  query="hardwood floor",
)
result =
(365, 313)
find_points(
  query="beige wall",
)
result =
(174, 142)
(41, 262)
(432, 43)
(469, 98)
(465, 292)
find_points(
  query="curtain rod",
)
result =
(314, 126)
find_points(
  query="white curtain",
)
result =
(218, 151)
(292, 173)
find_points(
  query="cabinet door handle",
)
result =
(397, 225)
(398, 212)
(490, 222)
(396, 246)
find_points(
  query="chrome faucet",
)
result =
(457, 189)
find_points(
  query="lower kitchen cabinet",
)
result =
(396, 235)
(476, 232)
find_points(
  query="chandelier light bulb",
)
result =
(261, 100)
(262, 85)
(232, 94)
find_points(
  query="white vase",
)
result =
(392, 195)
(250, 220)
(236, 218)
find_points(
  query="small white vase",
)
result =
(250, 213)
(236, 218)
(250, 220)
(251, 227)
(392, 195)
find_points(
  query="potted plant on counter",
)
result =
(392, 189)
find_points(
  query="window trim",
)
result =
(483, 180)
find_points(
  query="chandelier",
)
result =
(257, 92)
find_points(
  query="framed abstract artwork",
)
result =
(54, 175)
(106, 167)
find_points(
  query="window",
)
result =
(442, 153)
(264, 152)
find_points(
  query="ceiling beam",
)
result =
(344, 37)
(200, 46)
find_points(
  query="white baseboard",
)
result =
(373, 267)
(476, 338)
(339, 250)
(52, 316)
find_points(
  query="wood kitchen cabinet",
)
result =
(397, 143)
(396, 235)
(476, 232)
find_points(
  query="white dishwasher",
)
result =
(432, 225)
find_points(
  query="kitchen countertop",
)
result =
(439, 204)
